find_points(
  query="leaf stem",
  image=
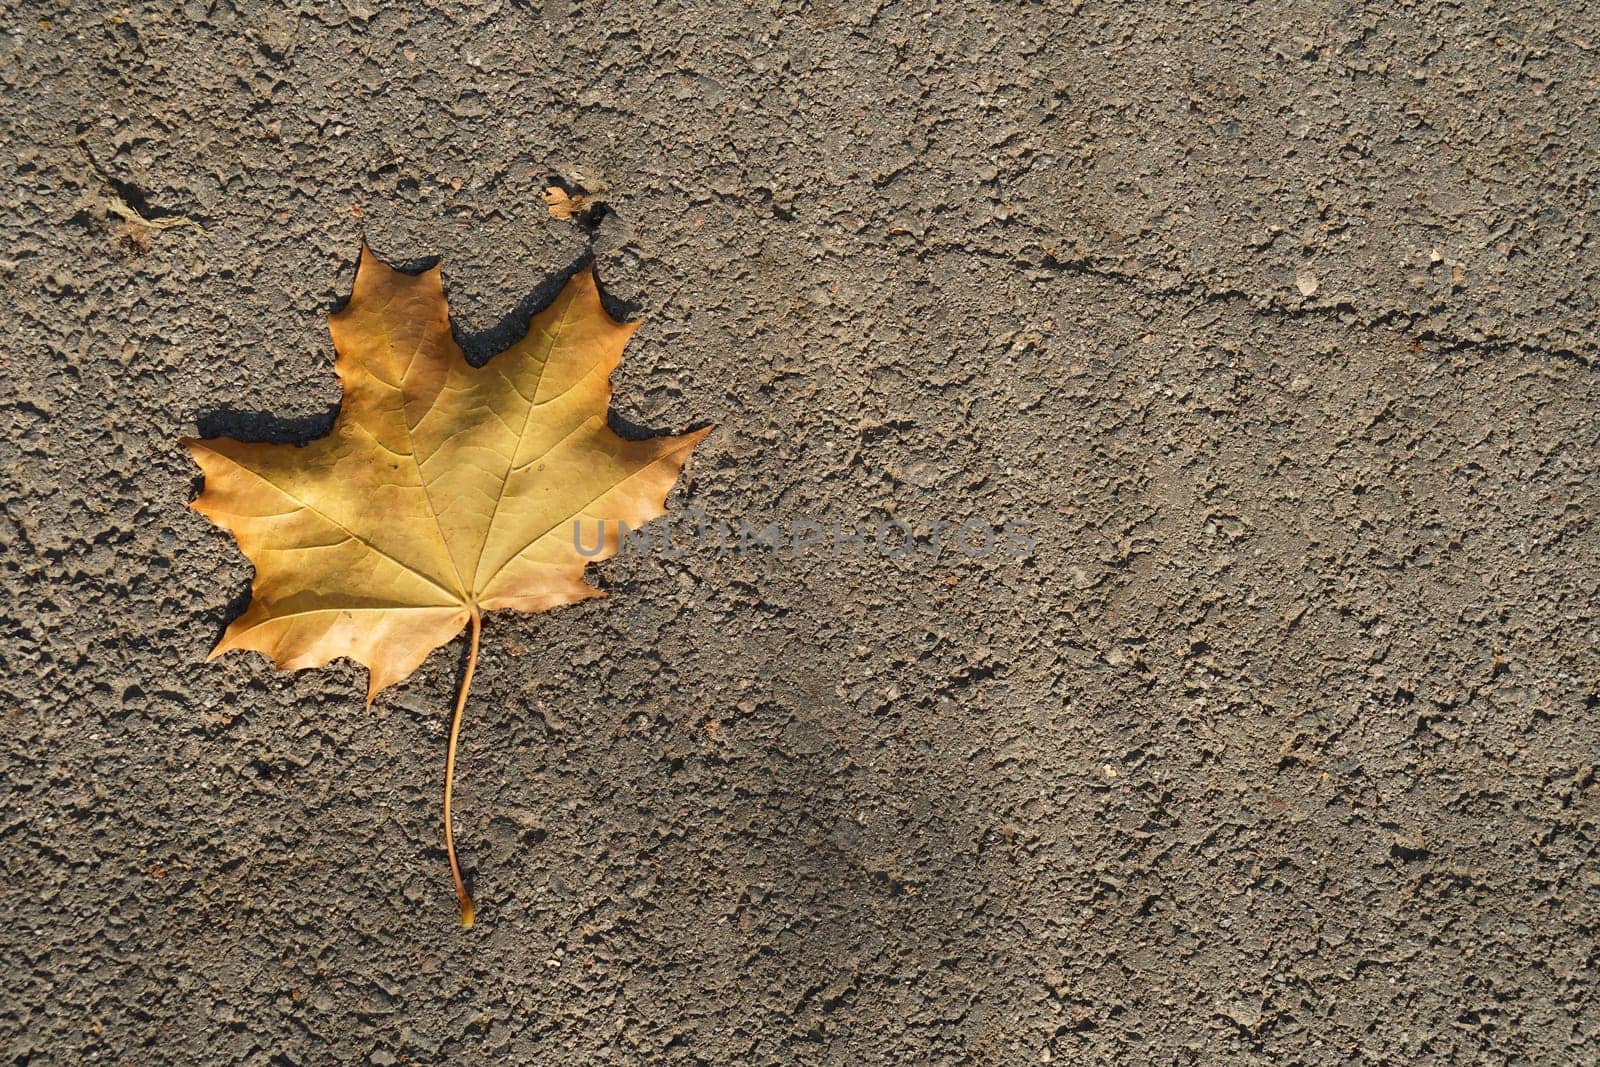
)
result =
(450, 769)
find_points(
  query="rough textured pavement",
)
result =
(1278, 321)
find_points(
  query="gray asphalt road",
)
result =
(1276, 321)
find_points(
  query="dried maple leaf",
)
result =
(442, 491)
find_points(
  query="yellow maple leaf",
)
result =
(442, 491)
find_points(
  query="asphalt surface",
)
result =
(1277, 746)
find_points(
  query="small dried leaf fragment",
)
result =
(442, 491)
(564, 205)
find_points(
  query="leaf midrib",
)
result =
(511, 460)
(416, 461)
